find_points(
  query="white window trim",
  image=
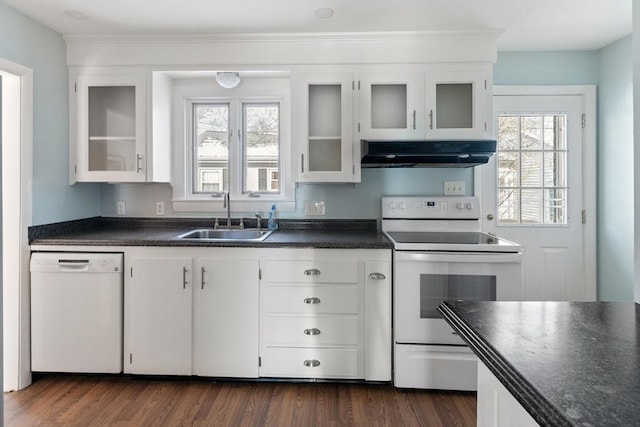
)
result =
(187, 91)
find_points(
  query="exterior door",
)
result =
(533, 193)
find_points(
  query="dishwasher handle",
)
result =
(73, 264)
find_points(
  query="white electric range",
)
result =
(441, 254)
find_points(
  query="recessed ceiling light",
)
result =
(76, 14)
(324, 12)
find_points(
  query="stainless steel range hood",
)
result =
(426, 153)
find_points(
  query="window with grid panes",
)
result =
(532, 169)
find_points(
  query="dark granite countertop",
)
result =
(110, 231)
(567, 363)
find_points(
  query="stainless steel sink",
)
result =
(221, 234)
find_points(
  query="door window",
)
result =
(532, 169)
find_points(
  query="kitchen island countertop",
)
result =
(567, 363)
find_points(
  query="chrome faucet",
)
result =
(227, 205)
(258, 221)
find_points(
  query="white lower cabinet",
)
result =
(225, 335)
(191, 312)
(258, 312)
(326, 313)
(496, 406)
(158, 314)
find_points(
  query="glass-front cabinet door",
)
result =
(111, 132)
(455, 103)
(328, 152)
(391, 106)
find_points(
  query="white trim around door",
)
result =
(17, 167)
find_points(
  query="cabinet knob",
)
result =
(312, 331)
(377, 276)
(312, 300)
(312, 272)
(311, 363)
(490, 217)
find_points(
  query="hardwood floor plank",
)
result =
(76, 400)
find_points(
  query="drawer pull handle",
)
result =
(311, 363)
(312, 300)
(377, 276)
(184, 277)
(312, 272)
(312, 331)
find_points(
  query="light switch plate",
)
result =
(314, 207)
(454, 188)
(159, 208)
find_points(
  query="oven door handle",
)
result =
(463, 257)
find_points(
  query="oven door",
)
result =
(422, 280)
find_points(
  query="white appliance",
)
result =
(76, 312)
(440, 254)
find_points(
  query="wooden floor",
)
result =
(64, 400)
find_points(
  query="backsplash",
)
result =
(360, 200)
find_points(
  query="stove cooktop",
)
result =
(450, 241)
(464, 238)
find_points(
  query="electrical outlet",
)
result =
(454, 188)
(159, 208)
(312, 207)
(121, 208)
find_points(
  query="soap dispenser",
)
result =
(272, 224)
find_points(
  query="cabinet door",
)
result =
(160, 316)
(327, 149)
(456, 105)
(111, 138)
(226, 318)
(377, 321)
(391, 106)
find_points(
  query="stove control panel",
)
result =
(426, 207)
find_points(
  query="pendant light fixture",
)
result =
(228, 79)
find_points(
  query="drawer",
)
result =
(310, 363)
(288, 271)
(436, 367)
(309, 331)
(310, 299)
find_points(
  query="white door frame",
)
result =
(589, 165)
(17, 167)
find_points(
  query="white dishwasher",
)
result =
(76, 312)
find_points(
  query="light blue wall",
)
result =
(615, 172)
(363, 200)
(32, 45)
(546, 68)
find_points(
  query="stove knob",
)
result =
(469, 205)
(402, 205)
(392, 205)
(460, 205)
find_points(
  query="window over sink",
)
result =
(232, 140)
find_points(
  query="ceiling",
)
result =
(526, 24)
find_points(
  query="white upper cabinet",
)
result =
(327, 152)
(434, 104)
(111, 128)
(456, 105)
(391, 105)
